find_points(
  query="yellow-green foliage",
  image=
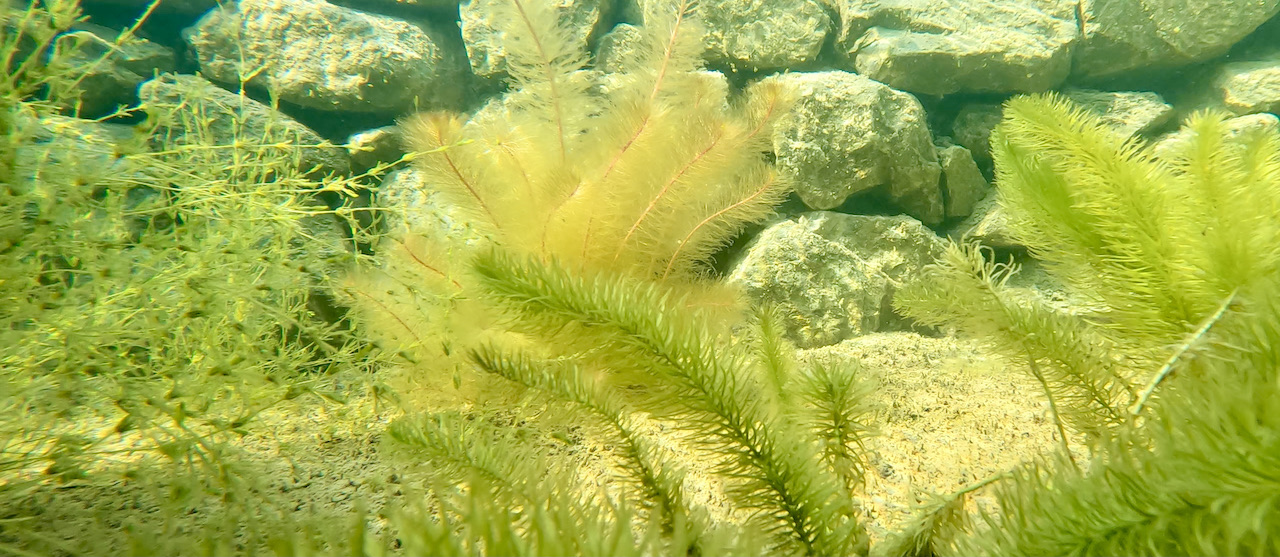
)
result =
(644, 172)
(648, 178)
(746, 411)
(1153, 246)
(1171, 362)
(158, 292)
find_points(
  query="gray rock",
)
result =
(758, 35)
(485, 38)
(963, 184)
(972, 129)
(399, 6)
(370, 148)
(232, 117)
(414, 208)
(619, 49)
(315, 54)
(848, 134)
(1126, 35)
(833, 275)
(111, 73)
(63, 150)
(1248, 86)
(987, 224)
(1128, 112)
(939, 47)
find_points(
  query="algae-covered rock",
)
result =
(233, 117)
(1248, 86)
(315, 54)
(112, 72)
(848, 134)
(962, 182)
(832, 275)
(941, 47)
(1126, 35)
(764, 34)
(1127, 112)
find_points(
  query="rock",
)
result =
(174, 7)
(111, 80)
(1248, 86)
(848, 134)
(232, 117)
(619, 49)
(61, 161)
(63, 150)
(373, 147)
(756, 35)
(962, 183)
(415, 208)
(939, 47)
(987, 224)
(1128, 112)
(485, 39)
(1125, 35)
(315, 54)
(832, 274)
(972, 129)
(400, 6)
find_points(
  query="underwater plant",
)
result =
(1169, 363)
(159, 292)
(778, 448)
(597, 205)
(646, 171)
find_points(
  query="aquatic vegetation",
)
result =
(1169, 369)
(158, 293)
(721, 393)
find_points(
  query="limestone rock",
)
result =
(832, 274)
(939, 47)
(962, 182)
(764, 34)
(848, 134)
(233, 116)
(319, 55)
(486, 49)
(1126, 35)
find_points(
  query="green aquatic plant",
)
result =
(646, 171)
(718, 391)
(158, 292)
(597, 202)
(1168, 362)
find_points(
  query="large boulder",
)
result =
(319, 55)
(1125, 35)
(940, 47)
(848, 134)
(833, 275)
(1247, 86)
(233, 118)
(756, 35)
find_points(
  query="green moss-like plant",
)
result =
(717, 390)
(157, 295)
(646, 171)
(1170, 367)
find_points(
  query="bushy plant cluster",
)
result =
(1169, 367)
(164, 286)
(159, 289)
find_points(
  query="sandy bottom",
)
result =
(948, 415)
